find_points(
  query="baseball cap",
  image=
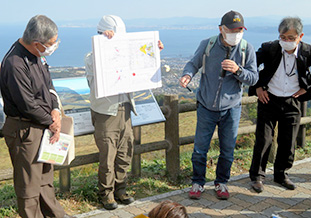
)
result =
(233, 20)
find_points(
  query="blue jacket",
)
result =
(231, 91)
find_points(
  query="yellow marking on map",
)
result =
(147, 97)
(147, 50)
(143, 49)
(142, 96)
(138, 96)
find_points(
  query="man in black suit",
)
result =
(283, 82)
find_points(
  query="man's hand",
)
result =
(160, 45)
(300, 92)
(229, 65)
(184, 81)
(55, 137)
(108, 33)
(262, 95)
(55, 126)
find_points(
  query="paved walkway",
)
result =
(244, 202)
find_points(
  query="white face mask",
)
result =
(288, 46)
(233, 38)
(49, 50)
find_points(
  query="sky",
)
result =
(20, 11)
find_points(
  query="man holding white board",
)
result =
(113, 130)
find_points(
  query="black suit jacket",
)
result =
(270, 54)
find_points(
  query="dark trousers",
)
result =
(285, 111)
(114, 139)
(33, 181)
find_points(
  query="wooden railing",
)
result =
(171, 143)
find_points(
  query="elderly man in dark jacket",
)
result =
(283, 82)
(31, 108)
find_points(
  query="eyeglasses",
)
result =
(55, 44)
(288, 38)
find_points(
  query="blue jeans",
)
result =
(228, 124)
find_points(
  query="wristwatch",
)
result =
(239, 71)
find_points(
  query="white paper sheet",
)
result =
(54, 153)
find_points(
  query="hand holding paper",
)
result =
(54, 153)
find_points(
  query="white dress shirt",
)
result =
(284, 82)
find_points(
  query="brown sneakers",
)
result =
(110, 204)
(125, 199)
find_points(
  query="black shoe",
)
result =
(110, 204)
(257, 186)
(286, 183)
(125, 199)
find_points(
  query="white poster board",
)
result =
(126, 63)
(82, 120)
(147, 108)
(74, 94)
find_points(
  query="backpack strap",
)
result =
(209, 46)
(211, 43)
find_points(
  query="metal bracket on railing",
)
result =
(166, 110)
(170, 144)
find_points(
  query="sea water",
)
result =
(76, 41)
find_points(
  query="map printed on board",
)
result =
(74, 94)
(147, 108)
(126, 63)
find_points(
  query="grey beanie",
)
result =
(111, 22)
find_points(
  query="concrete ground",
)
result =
(243, 201)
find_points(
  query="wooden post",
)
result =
(64, 180)
(301, 138)
(172, 136)
(136, 161)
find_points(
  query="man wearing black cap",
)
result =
(225, 66)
